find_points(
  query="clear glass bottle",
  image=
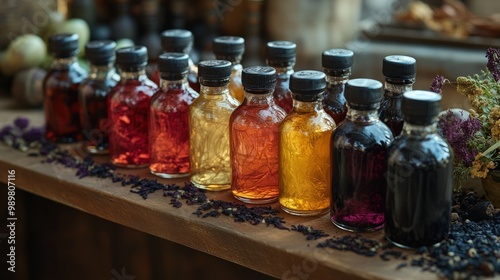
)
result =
(128, 109)
(169, 118)
(419, 176)
(209, 127)
(60, 87)
(231, 48)
(281, 56)
(337, 65)
(359, 160)
(399, 72)
(304, 148)
(93, 93)
(179, 41)
(254, 131)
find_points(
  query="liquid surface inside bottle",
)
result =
(169, 129)
(304, 149)
(209, 138)
(359, 164)
(61, 104)
(93, 105)
(254, 129)
(128, 110)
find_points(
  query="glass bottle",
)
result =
(93, 92)
(399, 72)
(359, 160)
(169, 118)
(179, 41)
(128, 109)
(419, 176)
(281, 56)
(337, 65)
(60, 87)
(231, 48)
(254, 130)
(209, 127)
(304, 148)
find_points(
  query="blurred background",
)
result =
(447, 38)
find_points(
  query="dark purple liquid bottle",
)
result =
(281, 56)
(359, 161)
(419, 177)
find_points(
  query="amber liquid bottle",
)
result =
(337, 65)
(93, 93)
(399, 72)
(128, 109)
(359, 160)
(281, 56)
(419, 176)
(304, 148)
(60, 86)
(209, 127)
(254, 131)
(231, 48)
(179, 41)
(169, 118)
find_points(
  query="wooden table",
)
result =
(278, 253)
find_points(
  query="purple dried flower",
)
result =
(21, 123)
(493, 56)
(33, 134)
(6, 130)
(437, 84)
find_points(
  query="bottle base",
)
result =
(211, 187)
(410, 247)
(168, 175)
(255, 200)
(95, 150)
(356, 229)
(130, 166)
(212, 181)
(304, 213)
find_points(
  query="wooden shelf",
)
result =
(279, 253)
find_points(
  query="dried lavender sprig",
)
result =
(310, 232)
(493, 65)
(437, 84)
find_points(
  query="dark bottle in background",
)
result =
(281, 56)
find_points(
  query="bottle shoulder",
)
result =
(430, 150)
(372, 133)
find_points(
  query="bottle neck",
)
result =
(397, 87)
(306, 107)
(337, 80)
(235, 60)
(174, 84)
(214, 90)
(288, 70)
(419, 130)
(356, 115)
(135, 74)
(260, 99)
(101, 72)
(63, 62)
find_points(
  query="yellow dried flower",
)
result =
(481, 167)
(495, 131)
(465, 85)
(473, 113)
(494, 114)
(478, 105)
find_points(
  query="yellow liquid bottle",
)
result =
(231, 48)
(209, 127)
(304, 148)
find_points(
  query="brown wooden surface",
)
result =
(265, 249)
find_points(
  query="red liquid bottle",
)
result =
(337, 65)
(93, 93)
(359, 160)
(128, 109)
(399, 72)
(179, 41)
(169, 118)
(254, 133)
(60, 86)
(231, 48)
(281, 56)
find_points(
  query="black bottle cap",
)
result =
(259, 78)
(132, 56)
(399, 67)
(363, 93)
(100, 52)
(306, 85)
(337, 59)
(228, 46)
(420, 107)
(280, 51)
(63, 44)
(176, 40)
(214, 70)
(173, 63)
